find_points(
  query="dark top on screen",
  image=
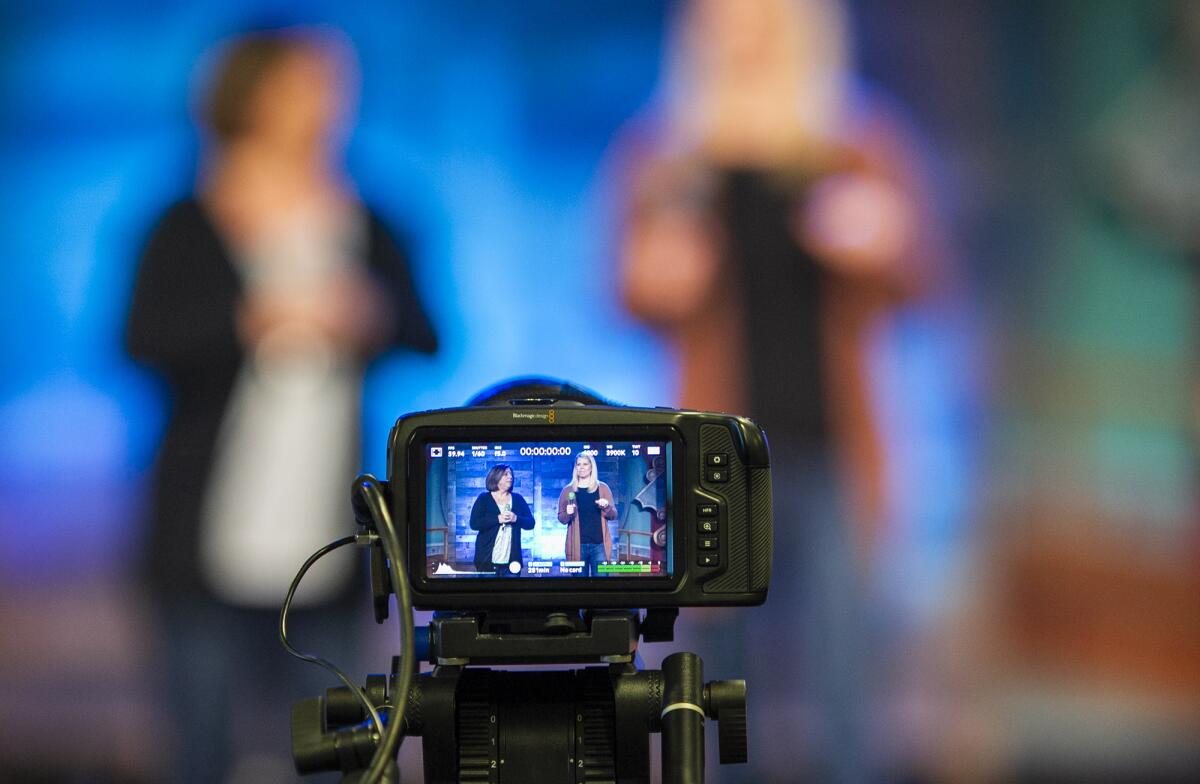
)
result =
(485, 518)
(589, 517)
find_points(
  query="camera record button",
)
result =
(708, 559)
(717, 459)
(706, 526)
(716, 475)
(708, 543)
(706, 510)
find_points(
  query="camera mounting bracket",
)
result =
(541, 636)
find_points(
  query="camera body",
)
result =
(553, 503)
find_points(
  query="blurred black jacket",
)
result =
(182, 323)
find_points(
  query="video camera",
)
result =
(689, 517)
(538, 521)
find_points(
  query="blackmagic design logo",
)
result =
(546, 416)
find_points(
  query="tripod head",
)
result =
(566, 726)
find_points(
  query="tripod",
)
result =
(571, 726)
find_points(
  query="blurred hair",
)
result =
(805, 50)
(238, 74)
(492, 482)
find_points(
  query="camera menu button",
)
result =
(707, 543)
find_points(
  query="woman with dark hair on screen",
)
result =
(499, 515)
(586, 505)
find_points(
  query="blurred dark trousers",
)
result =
(804, 653)
(231, 684)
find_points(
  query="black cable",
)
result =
(287, 603)
(373, 493)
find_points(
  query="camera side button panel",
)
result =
(708, 526)
(716, 466)
(715, 470)
(725, 568)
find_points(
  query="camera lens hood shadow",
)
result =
(536, 391)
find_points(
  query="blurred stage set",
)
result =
(1034, 580)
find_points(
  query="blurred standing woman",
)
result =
(585, 505)
(260, 300)
(777, 216)
(499, 515)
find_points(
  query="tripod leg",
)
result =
(683, 719)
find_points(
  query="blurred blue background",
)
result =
(480, 134)
(1047, 408)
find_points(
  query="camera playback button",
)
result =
(708, 558)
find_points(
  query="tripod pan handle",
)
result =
(683, 719)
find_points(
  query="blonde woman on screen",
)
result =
(585, 506)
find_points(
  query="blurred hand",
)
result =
(602, 503)
(570, 509)
(349, 312)
(280, 322)
(856, 223)
(359, 312)
(672, 264)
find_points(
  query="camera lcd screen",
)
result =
(556, 510)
